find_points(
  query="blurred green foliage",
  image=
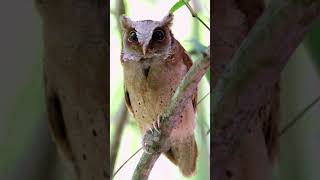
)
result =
(177, 5)
(313, 44)
(26, 113)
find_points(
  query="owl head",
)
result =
(147, 38)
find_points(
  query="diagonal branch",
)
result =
(194, 14)
(298, 117)
(183, 93)
(123, 113)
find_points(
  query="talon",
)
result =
(155, 127)
(158, 121)
(156, 124)
(150, 129)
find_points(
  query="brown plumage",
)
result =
(154, 64)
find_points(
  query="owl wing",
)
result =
(188, 62)
(127, 99)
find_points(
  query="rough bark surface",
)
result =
(75, 75)
(245, 98)
(233, 19)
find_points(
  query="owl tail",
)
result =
(183, 153)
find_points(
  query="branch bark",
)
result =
(244, 88)
(232, 21)
(171, 114)
(75, 34)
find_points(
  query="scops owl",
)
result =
(154, 64)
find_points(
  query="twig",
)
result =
(295, 119)
(182, 95)
(123, 117)
(200, 102)
(120, 123)
(194, 14)
(203, 98)
(291, 123)
(120, 10)
(298, 116)
(145, 165)
(126, 161)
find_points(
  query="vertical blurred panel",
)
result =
(26, 150)
(313, 44)
(299, 146)
(193, 36)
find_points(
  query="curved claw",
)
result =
(155, 127)
(150, 129)
(156, 124)
(158, 121)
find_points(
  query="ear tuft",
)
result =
(125, 22)
(167, 20)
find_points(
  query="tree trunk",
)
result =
(245, 102)
(232, 22)
(75, 75)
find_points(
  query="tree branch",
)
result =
(231, 25)
(121, 121)
(194, 14)
(298, 117)
(171, 114)
(123, 112)
(255, 68)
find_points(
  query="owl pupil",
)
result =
(158, 35)
(133, 36)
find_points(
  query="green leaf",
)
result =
(177, 5)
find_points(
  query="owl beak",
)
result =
(144, 49)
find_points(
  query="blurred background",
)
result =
(194, 37)
(300, 146)
(27, 151)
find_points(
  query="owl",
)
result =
(154, 63)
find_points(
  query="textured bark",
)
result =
(75, 75)
(245, 104)
(233, 19)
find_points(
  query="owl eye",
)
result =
(132, 36)
(158, 35)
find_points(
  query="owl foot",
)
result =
(151, 139)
